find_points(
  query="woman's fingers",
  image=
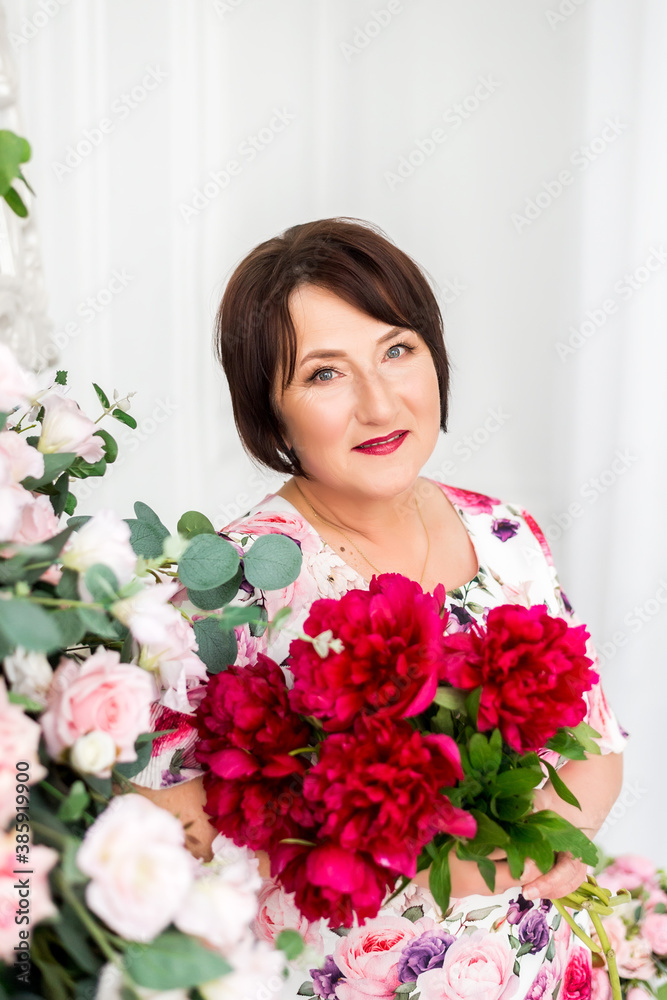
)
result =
(566, 875)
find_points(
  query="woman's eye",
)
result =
(320, 371)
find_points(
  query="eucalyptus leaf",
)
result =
(218, 597)
(102, 583)
(216, 648)
(145, 513)
(208, 562)
(173, 961)
(291, 943)
(194, 523)
(54, 464)
(102, 396)
(145, 538)
(23, 623)
(272, 562)
(110, 445)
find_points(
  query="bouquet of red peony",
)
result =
(396, 743)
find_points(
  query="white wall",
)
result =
(511, 292)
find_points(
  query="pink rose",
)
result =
(577, 978)
(66, 428)
(140, 870)
(41, 906)
(100, 695)
(476, 503)
(477, 965)
(277, 912)
(368, 957)
(19, 740)
(271, 522)
(654, 930)
(37, 523)
(13, 498)
(600, 985)
(24, 460)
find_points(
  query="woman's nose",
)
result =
(376, 398)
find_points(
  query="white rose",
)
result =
(105, 538)
(94, 752)
(29, 673)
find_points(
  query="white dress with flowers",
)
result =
(499, 947)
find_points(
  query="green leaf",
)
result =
(70, 503)
(54, 464)
(450, 698)
(124, 417)
(218, 597)
(563, 836)
(216, 648)
(25, 624)
(61, 377)
(24, 701)
(70, 869)
(560, 787)
(511, 808)
(131, 767)
(588, 737)
(73, 940)
(102, 396)
(472, 704)
(516, 782)
(15, 202)
(524, 948)
(488, 832)
(442, 722)
(272, 562)
(110, 445)
(483, 757)
(3, 419)
(81, 469)
(194, 523)
(480, 914)
(76, 803)
(291, 943)
(173, 961)
(306, 990)
(439, 876)
(98, 624)
(145, 539)
(413, 913)
(14, 150)
(102, 583)
(551, 950)
(232, 616)
(67, 585)
(566, 745)
(78, 521)
(59, 495)
(70, 626)
(147, 514)
(207, 562)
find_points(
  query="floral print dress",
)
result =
(490, 947)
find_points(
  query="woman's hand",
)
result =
(467, 880)
(566, 875)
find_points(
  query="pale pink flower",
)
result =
(37, 523)
(66, 428)
(222, 901)
(248, 646)
(148, 613)
(600, 984)
(654, 931)
(17, 385)
(629, 871)
(24, 460)
(17, 919)
(140, 869)
(19, 741)
(655, 897)
(633, 957)
(368, 956)
(181, 674)
(637, 993)
(29, 673)
(100, 694)
(478, 964)
(277, 912)
(13, 498)
(257, 973)
(105, 538)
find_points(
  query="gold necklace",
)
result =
(428, 540)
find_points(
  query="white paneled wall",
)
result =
(517, 150)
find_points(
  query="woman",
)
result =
(332, 343)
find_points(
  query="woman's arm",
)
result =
(186, 801)
(596, 783)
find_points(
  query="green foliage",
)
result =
(208, 562)
(217, 648)
(173, 961)
(194, 523)
(14, 150)
(272, 562)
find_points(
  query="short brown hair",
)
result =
(255, 335)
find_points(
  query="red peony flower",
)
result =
(246, 729)
(392, 635)
(328, 881)
(377, 789)
(533, 670)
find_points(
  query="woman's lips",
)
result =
(383, 447)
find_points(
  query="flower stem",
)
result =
(609, 954)
(63, 602)
(84, 916)
(588, 941)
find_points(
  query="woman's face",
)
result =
(378, 383)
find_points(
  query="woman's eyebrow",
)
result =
(332, 353)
